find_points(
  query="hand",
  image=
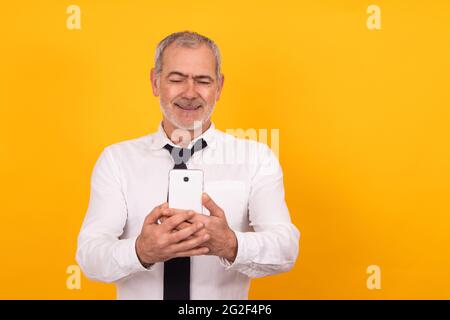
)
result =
(223, 241)
(161, 242)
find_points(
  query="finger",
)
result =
(175, 220)
(172, 211)
(194, 252)
(189, 244)
(153, 216)
(184, 225)
(199, 233)
(198, 217)
(183, 234)
(181, 226)
(213, 208)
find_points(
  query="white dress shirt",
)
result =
(242, 176)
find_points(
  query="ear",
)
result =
(220, 86)
(154, 79)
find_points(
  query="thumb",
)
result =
(213, 208)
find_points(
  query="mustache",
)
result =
(186, 103)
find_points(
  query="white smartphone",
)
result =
(185, 189)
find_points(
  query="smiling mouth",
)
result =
(187, 108)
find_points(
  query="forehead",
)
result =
(197, 60)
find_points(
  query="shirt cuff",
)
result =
(241, 259)
(126, 257)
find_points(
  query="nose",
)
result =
(190, 91)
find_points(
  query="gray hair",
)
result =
(186, 39)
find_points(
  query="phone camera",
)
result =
(186, 179)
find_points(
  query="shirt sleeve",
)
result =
(102, 255)
(273, 246)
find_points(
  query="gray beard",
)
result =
(195, 125)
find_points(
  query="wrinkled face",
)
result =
(187, 85)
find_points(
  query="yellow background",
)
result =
(363, 118)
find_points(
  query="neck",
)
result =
(183, 137)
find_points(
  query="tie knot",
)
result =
(182, 155)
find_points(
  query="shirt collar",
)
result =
(160, 139)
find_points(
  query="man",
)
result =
(131, 237)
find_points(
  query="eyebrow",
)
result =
(199, 77)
